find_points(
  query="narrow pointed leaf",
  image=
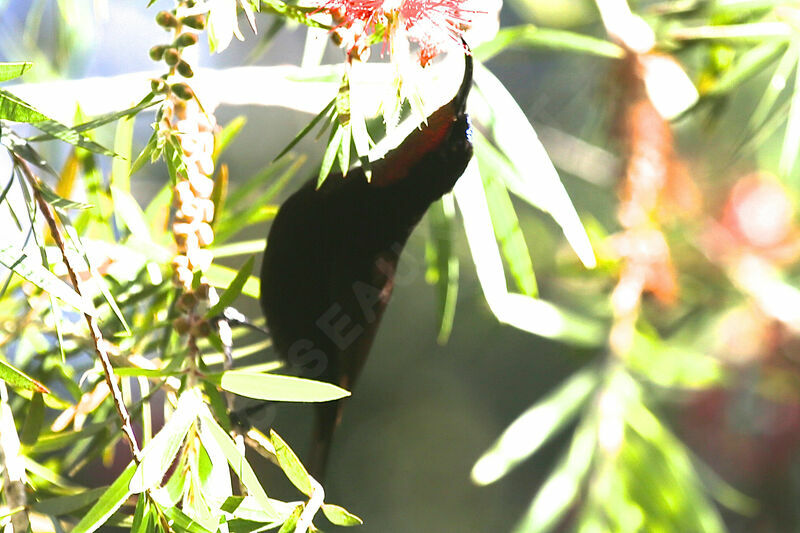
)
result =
(9, 71)
(538, 181)
(15, 109)
(340, 516)
(34, 272)
(291, 465)
(238, 463)
(234, 289)
(159, 453)
(20, 380)
(535, 427)
(109, 502)
(278, 388)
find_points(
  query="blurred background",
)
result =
(670, 392)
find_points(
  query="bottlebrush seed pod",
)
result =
(165, 19)
(184, 69)
(196, 22)
(187, 301)
(181, 325)
(186, 39)
(172, 56)
(157, 52)
(201, 329)
(182, 91)
(158, 86)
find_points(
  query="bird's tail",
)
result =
(327, 417)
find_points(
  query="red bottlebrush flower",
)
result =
(431, 23)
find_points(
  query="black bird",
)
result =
(332, 253)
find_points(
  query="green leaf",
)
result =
(291, 465)
(63, 505)
(52, 197)
(141, 516)
(528, 314)
(307, 129)
(295, 13)
(130, 213)
(102, 120)
(228, 134)
(334, 143)
(231, 503)
(339, 516)
(535, 427)
(536, 179)
(210, 429)
(13, 108)
(278, 388)
(123, 147)
(109, 502)
(182, 522)
(221, 277)
(791, 140)
(443, 266)
(32, 424)
(747, 65)
(159, 453)
(255, 246)
(291, 522)
(234, 289)
(504, 217)
(34, 272)
(146, 153)
(530, 36)
(62, 132)
(19, 380)
(564, 484)
(9, 71)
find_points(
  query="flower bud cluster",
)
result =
(185, 34)
(181, 119)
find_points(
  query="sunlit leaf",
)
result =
(279, 388)
(160, 452)
(314, 121)
(221, 277)
(18, 379)
(13, 108)
(9, 71)
(340, 516)
(536, 38)
(34, 272)
(109, 502)
(238, 463)
(443, 266)
(538, 181)
(234, 289)
(528, 314)
(63, 505)
(228, 134)
(334, 143)
(291, 465)
(564, 484)
(32, 424)
(504, 218)
(535, 427)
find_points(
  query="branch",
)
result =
(94, 329)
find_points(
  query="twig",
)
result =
(94, 329)
(12, 466)
(311, 508)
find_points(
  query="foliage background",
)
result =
(423, 413)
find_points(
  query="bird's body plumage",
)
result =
(328, 269)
